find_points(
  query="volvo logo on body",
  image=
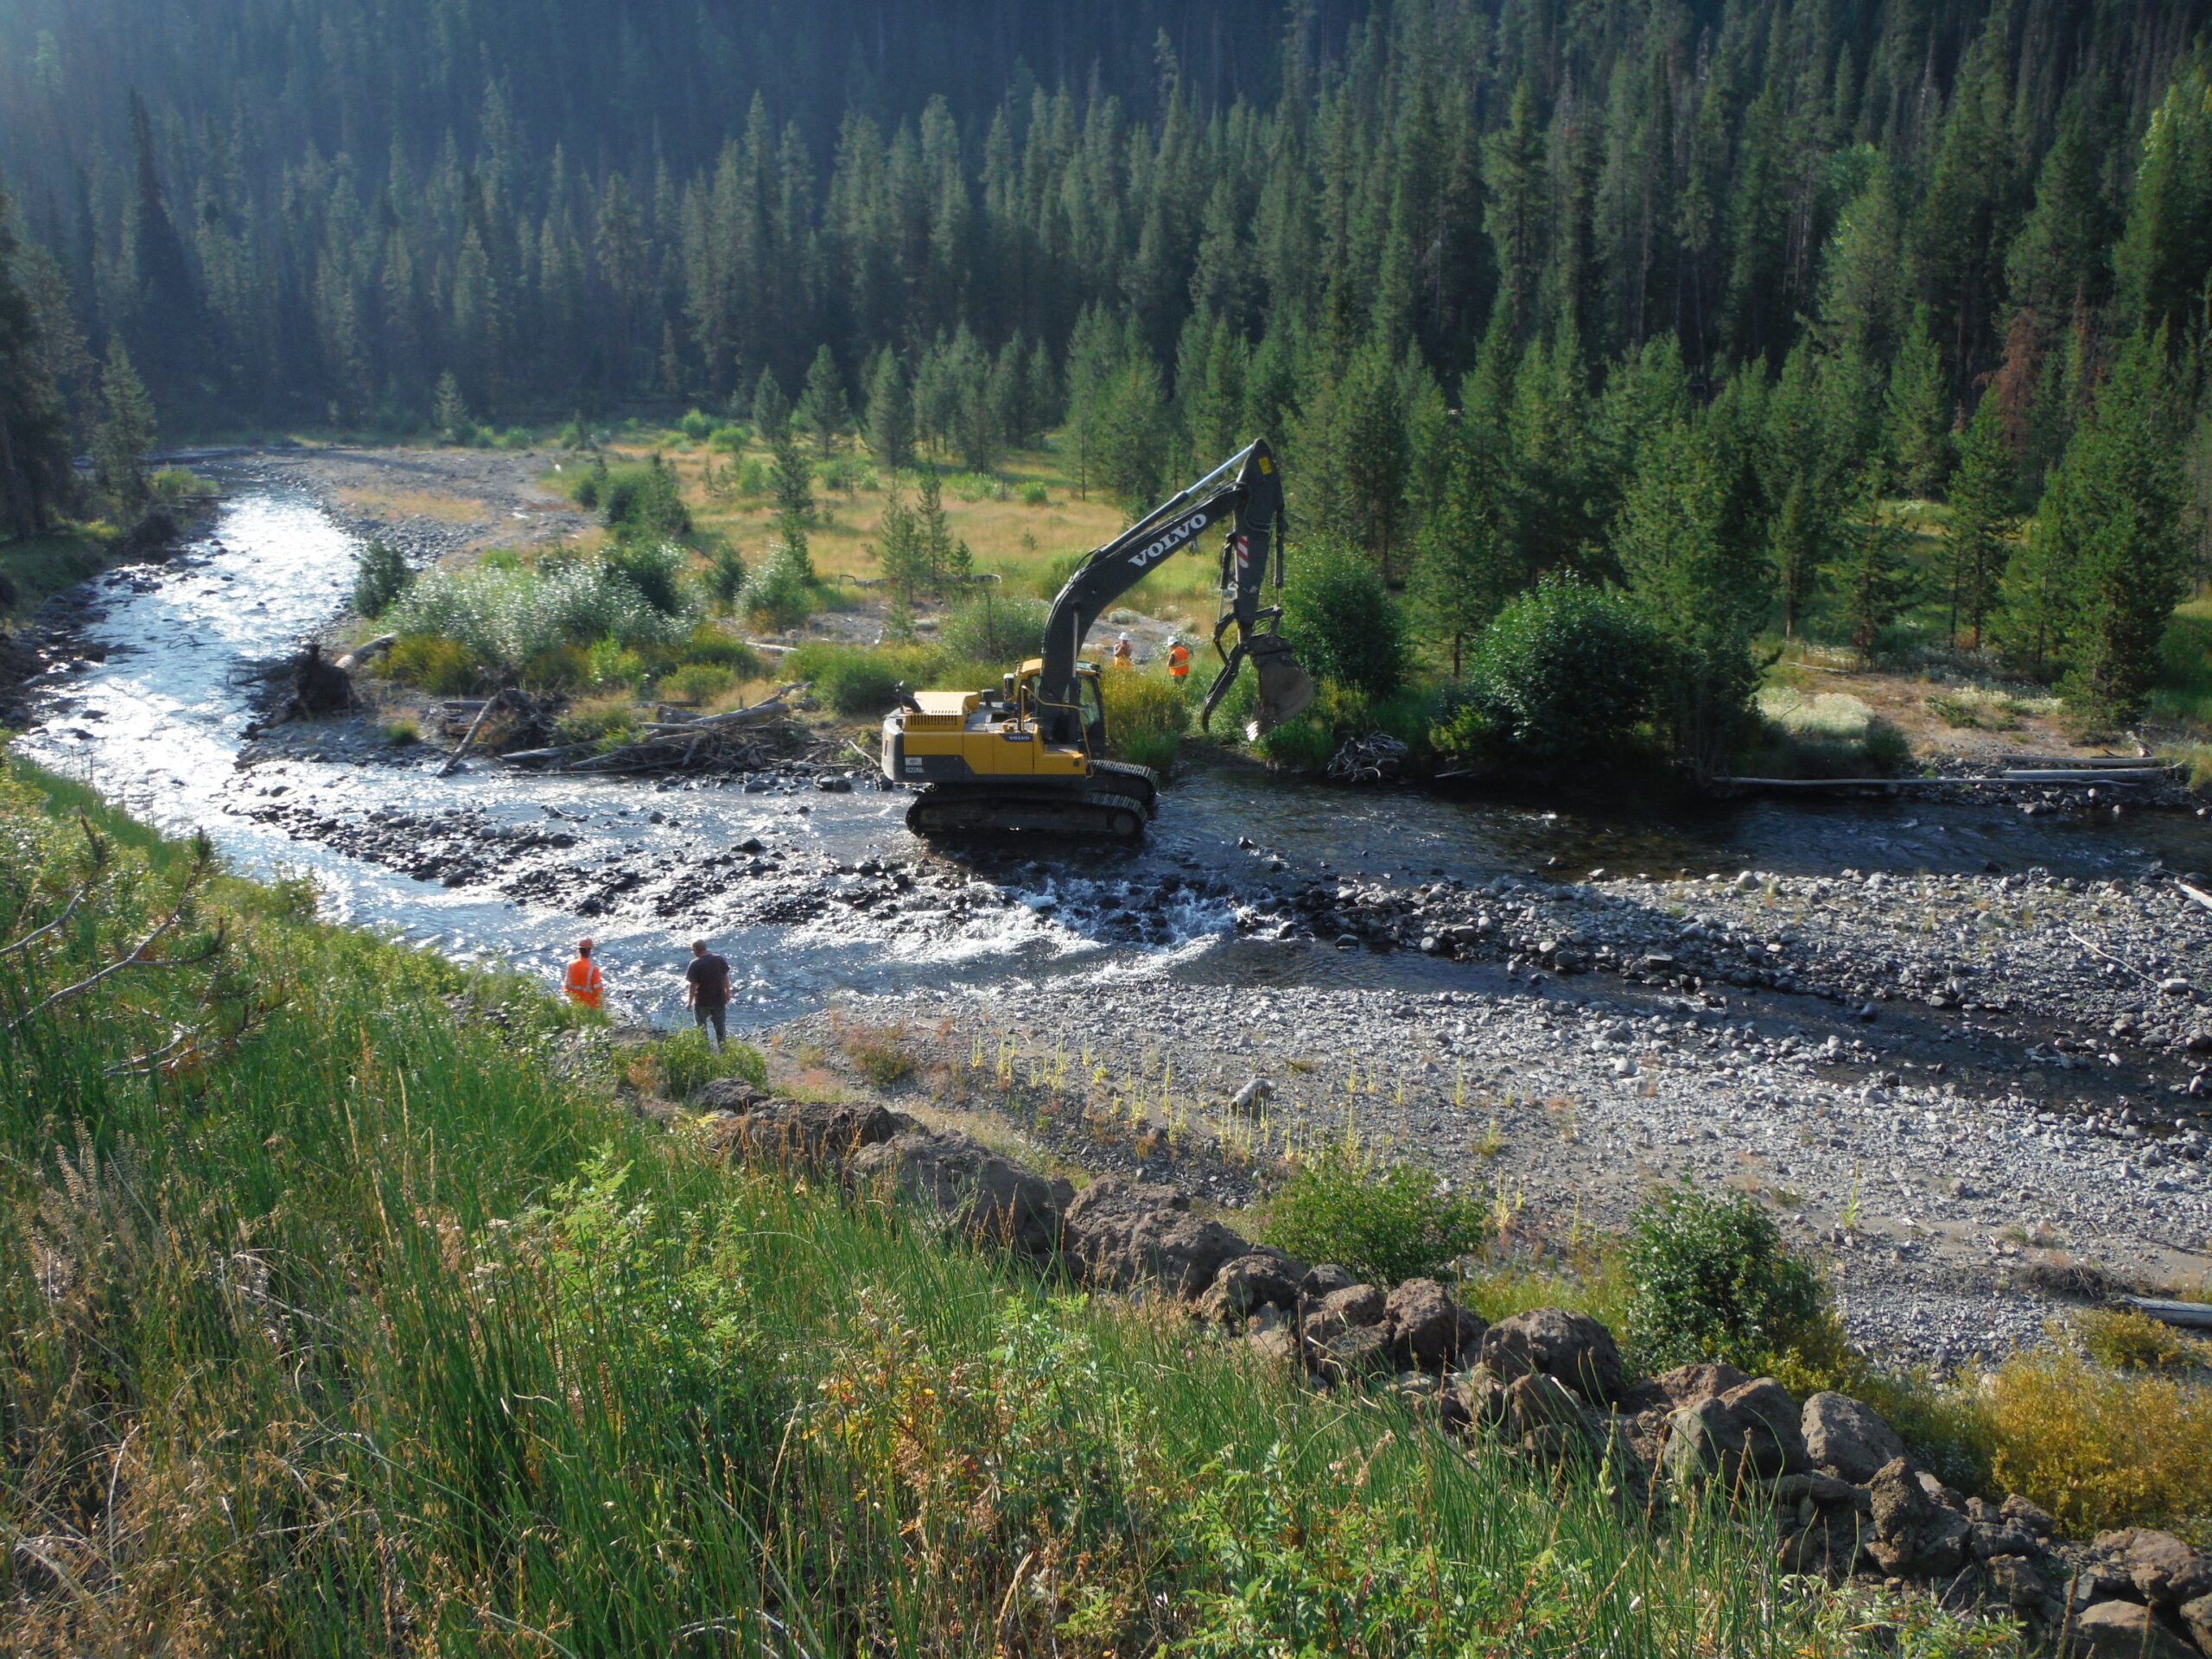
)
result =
(1169, 541)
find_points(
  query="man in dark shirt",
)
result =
(706, 989)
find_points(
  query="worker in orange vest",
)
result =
(583, 981)
(1179, 659)
(1124, 653)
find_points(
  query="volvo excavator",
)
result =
(1031, 755)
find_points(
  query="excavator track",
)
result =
(1106, 813)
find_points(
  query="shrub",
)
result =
(596, 719)
(1385, 1225)
(728, 438)
(880, 1056)
(381, 578)
(1340, 619)
(509, 615)
(696, 426)
(615, 663)
(785, 592)
(697, 683)
(752, 478)
(401, 733)
(1054, 576)
(1146, 717)
(726, 578)
(996, 628)
(688, 1061)
(644, 502)
(1566, 672)
(708, 644)
(1712, 1279)
(858, 683)
(1035, 495)
(2122, 1339)
(437, 664)
(2099, 1450)
(654, 571)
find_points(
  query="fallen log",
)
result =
(494, 700)
(2191, 1316)
(359, 657)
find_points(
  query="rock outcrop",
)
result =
(983, 1197)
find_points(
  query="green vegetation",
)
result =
(1712, 1279)
(1146, 715)
(1566, 672)
(413, 1260)
(686, 1060)
(1383, 1221)
(382, 578)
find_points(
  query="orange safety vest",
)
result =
(1124, 655)
(584, 982)
(1179, 661)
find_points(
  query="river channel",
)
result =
(159, 725)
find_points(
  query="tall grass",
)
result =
(377, 1327)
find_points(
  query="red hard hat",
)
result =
(583, 945)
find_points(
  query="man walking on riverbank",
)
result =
(706, 988)
(583, 981)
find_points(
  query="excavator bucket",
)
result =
(1284, 687)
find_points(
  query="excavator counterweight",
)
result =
(1031, 754)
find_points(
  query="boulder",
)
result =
(1572, 1349)
(1825, 1545)
(1320, 1280)
(1914, 1537)
(2033, 1517)
(2124, 1630)
(981, 1196)
(804, 1132)
(1354, 1351)
(1128, 1234)
(2165, 1571)
(1989, 1540)
(1429, 1327)
(2197, 1616)
(1265, 1278)
(2018, 1581)
(728, 1095)
(1687, 1385)
(1768, 1418)
(1545, 1418)
(1848, 1439)
(1704, 1441)
(1355, 1307)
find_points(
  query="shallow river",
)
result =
(159, 724)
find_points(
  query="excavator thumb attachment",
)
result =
(1284, 687)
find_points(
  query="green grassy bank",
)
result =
(345, 1312)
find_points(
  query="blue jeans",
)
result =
(700, 1013)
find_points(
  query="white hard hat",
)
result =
(1123, 640)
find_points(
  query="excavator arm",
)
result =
(1244, 492)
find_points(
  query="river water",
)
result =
(159, 725)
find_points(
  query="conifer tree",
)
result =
(1872, 579)
(791, 478)
(1918, 409)
(1980, 530)
(1688, 540)
(2115, 512)
(2166, 251)
(822, 408)
(890, 413)
(35, 469)
(126, 432)
(450, 410)
(1465, 567)
(771, 410)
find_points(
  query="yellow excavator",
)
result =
(1031, 755)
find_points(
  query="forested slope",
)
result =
(1471, 262)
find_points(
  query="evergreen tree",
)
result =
(2165, 254)
(450, 416)
(942, 554)
(126, 432)
(771, 410)
(1355, 455)
(890, 413)
(904, 558)
(1688, 541)
(1980, 530)
(791, 478)
(2115, 512)
(35, 469)
(822, 408)
(1465, 566)
(1918, 410)
(1871, 576)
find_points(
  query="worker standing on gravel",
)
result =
(1124, 653)
(583, 981)
(1179, 659)
(706, 989)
